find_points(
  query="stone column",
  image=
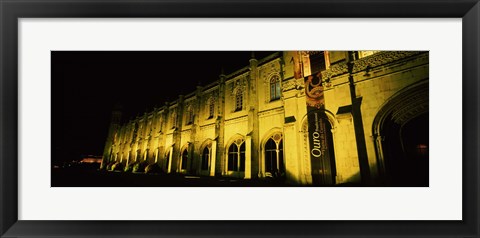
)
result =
(213, 158)
(169, 165)
(253, 127)
(220, 161)
(295, 109)
(248, 157)
(176, 154)
(190, 158)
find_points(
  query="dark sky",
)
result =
(86, 86)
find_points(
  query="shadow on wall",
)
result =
(411, 177)
(388, 181)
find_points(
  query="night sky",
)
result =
(87, 85)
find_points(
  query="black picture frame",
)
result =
(11, 11)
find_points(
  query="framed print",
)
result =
(224, 118)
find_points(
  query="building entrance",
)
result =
(406, 151)
(401, 128)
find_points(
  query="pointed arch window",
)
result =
(275, 88)
(174, 119)
(211, 108)
(160, 124)
(238, 100)
(189, 116)
(183, 165)
(138, 155)
(206, 158)
(236, 157)
(274, 163)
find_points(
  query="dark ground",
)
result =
(90, 176)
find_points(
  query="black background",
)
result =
(87, 84)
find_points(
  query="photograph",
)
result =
(294, 118)
(276, 118)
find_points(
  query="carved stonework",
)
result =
(236, 91)
(239, 141)
(335, 70)
(410, 107)
(381, 58)
(268, 76)
(291, 84)
(288, 85)
(277, 137)
(211, 98)
(372, 61)
(238, 84)
(275, 74)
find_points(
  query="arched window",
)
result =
(205, 158)
(160, 124)
(189, 116)
(270, 156)
(236, 157)
(183, 165)
(173, 119)
(242, 157)
(238, 100)
(211, 108)
(275, 88)
(274, 156)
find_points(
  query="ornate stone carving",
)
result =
(411, 107)
(238, 84)
(293, 84)
(335, 70)
(375, 60)
(381, 58)
(266, 82)
(288, 85)
(277, 137)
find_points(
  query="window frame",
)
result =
(237, 162)
(238, 101)
(275, 88)
(211, 108)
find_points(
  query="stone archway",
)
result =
(319, 152)
(401, 131)
(273, 164)
(206, 161)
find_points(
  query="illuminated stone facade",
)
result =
(318, 117)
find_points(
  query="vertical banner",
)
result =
(297, 65)
(319, 130)
(307, 71)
